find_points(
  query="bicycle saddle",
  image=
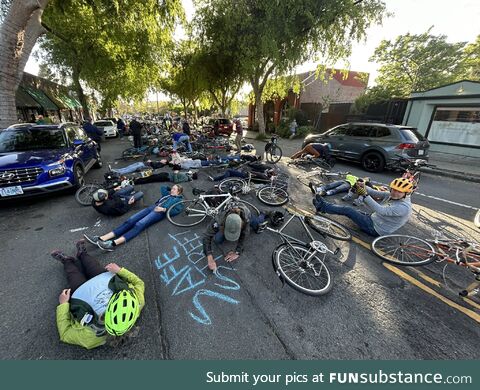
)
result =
(197, 191)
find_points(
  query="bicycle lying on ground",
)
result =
(302, 264)
(319, 176)
(413, 251)
(306, 161)
(273, 152)
(206, 205)
(410, 168)
(272, 193)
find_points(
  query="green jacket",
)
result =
(72, 332)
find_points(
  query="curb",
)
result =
(452, 174)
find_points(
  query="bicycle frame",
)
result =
(213, 211)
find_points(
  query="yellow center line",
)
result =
(414, 281)
(428, 278)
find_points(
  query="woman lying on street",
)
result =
(138, 222)
(100, 301)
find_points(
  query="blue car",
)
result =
(38, 159)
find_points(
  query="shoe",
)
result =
(60, 256)
(92, 239)
(312, 188)
(106, 245)
(81, 247)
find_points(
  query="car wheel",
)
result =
(99, 162)
(79, 176)
(373, 162)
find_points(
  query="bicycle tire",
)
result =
(272, 196)
(274, 154)
(185, 218)
(300, 273)
(226, 184)
(84, 195)
(328, 227)
(253, 209)
(401, 249)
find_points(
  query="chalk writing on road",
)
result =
(184, 270)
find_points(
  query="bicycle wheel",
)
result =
(328, 227)
(404, 250)
(84, 194)
(274, 154)
(302, 269)
(311, 177)
(273, 196)
(231, 183)
(193, 212)
(253, 209)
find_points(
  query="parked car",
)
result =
(108, 127)
(226, 126)
(114, 120)
(37, 159)
(374, 145)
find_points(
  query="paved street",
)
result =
(374, 311)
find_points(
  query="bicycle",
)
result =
(413, 251)
(272, 194)
(195, 211)
(302, 264)
(308, 160)
(411, 168)
(273, 152)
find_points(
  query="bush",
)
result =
(298, 115)
(261, 137)
(283, 130)
(302, 131)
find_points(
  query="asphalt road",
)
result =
(374, 311)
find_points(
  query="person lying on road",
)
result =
(387, 217)
(117, 201)
(99, 302)
(140, 221)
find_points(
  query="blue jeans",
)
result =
(363, 221)
(336, 187)
(126, 193)
(231, 173)
(130, 168)
(137, 223)
(183, 138)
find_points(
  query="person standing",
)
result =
(239, 134)
(136, 129)
(93, 132)
(121, 127)
(293, 128)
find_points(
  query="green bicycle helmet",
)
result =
(122, 312)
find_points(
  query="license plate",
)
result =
(11, 191)
(421, 152)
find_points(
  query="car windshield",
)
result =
(412, 134)
(20, 140)
(103, 123)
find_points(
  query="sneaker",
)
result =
(312, 188)
(81, 247)
(106, 245)
(60, 256)
(92, 239)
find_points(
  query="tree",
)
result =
(274, 36)
(417, 63)
(114, 47)
(472, 60)
(20, 29)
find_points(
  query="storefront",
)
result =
(449, 117)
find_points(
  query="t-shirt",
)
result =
(95, 292)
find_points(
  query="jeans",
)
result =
(138, 222)
(336, 187)
(137, 139)
(138, 166)
(231, 173)
(184, 138)
(76, 276)
(126, 193)
(363, 221)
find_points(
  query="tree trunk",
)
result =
(18, 34)
(79, 90)
(259, 107)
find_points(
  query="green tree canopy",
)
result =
(273, 36)
(472, 60)
(116, 47)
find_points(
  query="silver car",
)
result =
(374, 145)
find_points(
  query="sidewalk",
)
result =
(449, 165)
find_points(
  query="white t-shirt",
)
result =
(95, 292)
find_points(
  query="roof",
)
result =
(41, 98)
(351, 80)
(23, 99)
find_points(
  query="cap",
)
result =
(233, 227)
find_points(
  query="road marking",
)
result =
(427, 278)
(447, 201)
(470, 302)
(429, 290)
(78, 230)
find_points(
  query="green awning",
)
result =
(75, 102)
(71, 102)
(41, 98)
(23, 99)
(54, 97)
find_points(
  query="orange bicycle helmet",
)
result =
(402, 185)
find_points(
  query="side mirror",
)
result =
(78, 142)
